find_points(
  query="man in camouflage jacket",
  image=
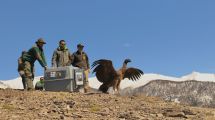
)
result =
(21, 69)
(35, 53)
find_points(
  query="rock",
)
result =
(57, 103)
(68, 108)
(62, 117)
(102, 113)
(153, 115)
(122, 119)
(54, 111)
(21, 108)
(43, 112)
(123, 115)
(175, 114)
(159, 115)
(188, 112)
(66, 114)
(106, 110)
(85, 110)
(117, 107)
(76, 116)
(70, 104)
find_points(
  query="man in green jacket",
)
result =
(35, 53)
(40, 84)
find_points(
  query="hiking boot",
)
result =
(85, 90)
(30, 89)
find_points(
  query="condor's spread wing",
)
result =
(133, 74)
(104, 70)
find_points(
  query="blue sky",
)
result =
(170, 37)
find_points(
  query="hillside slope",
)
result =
(15, 104)
(195, 93)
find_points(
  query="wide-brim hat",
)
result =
(40, 40)
(80, 45)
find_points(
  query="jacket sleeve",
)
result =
(70, 58)
(54, 59)
(44, 59)
(40, 57)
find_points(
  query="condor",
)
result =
(107, 75)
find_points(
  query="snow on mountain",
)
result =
(94, 83)
(3, 86)
(16, 83)
(199, 77)
(150, 77)
(145, 79)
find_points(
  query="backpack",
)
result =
(21, 62)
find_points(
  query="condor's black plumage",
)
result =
(106, 74)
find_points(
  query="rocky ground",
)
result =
(36, 105)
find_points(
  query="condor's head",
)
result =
(127, 61)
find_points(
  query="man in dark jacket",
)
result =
(81, 60)
(61, 56)
(35, 53)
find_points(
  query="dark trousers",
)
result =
(38, 88)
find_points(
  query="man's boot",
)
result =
(86, 87)
(85, 90)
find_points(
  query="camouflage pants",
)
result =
(22, 74)
(29, 75)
